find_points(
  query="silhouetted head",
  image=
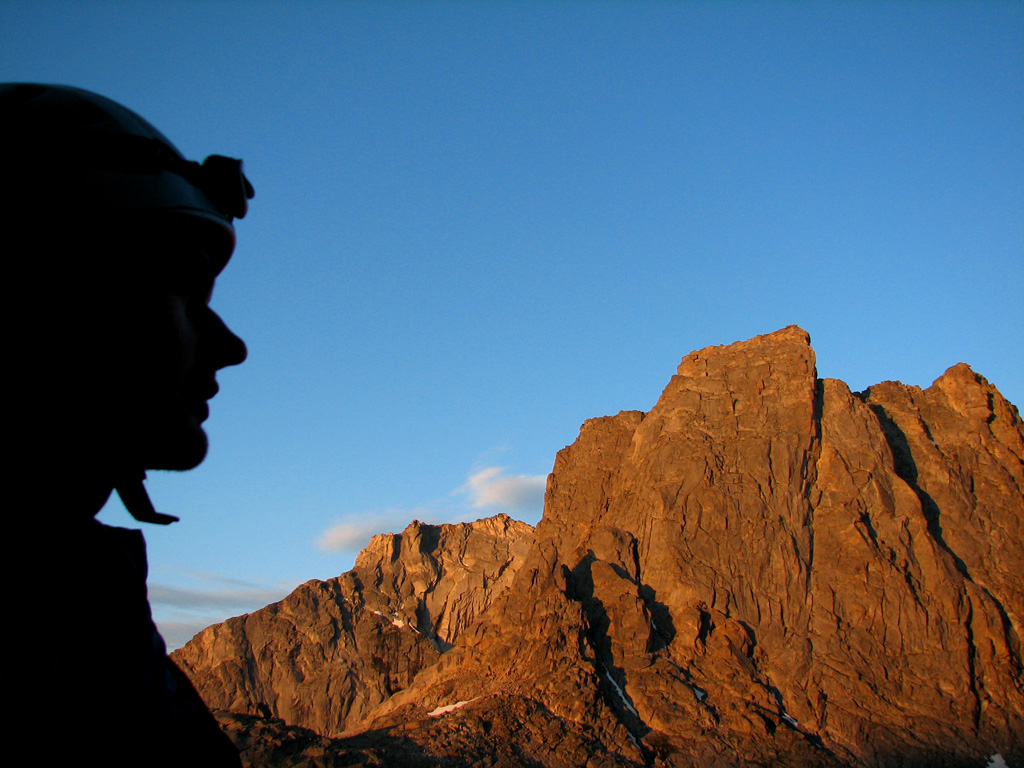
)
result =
(113, 241)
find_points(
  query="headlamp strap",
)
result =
(220, 178)
(136, 501)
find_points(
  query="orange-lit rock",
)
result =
(765, 568)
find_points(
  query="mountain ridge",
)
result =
(765, 567)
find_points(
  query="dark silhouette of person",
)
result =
(112, 241)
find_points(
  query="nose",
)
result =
(229, 349)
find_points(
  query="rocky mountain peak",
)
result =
(332, 650)
(765, 568)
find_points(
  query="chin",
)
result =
(180, 452)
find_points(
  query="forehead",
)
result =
(173, 251)
(87, 263)
(188, 242)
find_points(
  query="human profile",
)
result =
(113, 241)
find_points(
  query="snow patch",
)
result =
(622, 695)
(782, 712)
(449, 707)
(700, 693)
(996, 761)
(397, 622)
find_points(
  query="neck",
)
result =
(52, 493)
(65, 462)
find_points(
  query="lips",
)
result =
(196, 398)
(203, 411)
(200, 390)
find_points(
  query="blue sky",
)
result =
(479, 224)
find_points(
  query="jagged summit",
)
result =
(764, 568)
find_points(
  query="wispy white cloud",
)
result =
(181, 611)
(344, 537)
(518, 493)
(488, 487)
(347, 536)
(188, 599)
(177, 633)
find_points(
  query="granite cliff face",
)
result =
(766, 568)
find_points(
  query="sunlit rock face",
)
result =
(765, 568)
(332, 650)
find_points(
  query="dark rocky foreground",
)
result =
(765, 569)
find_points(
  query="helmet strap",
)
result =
(136, 501)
